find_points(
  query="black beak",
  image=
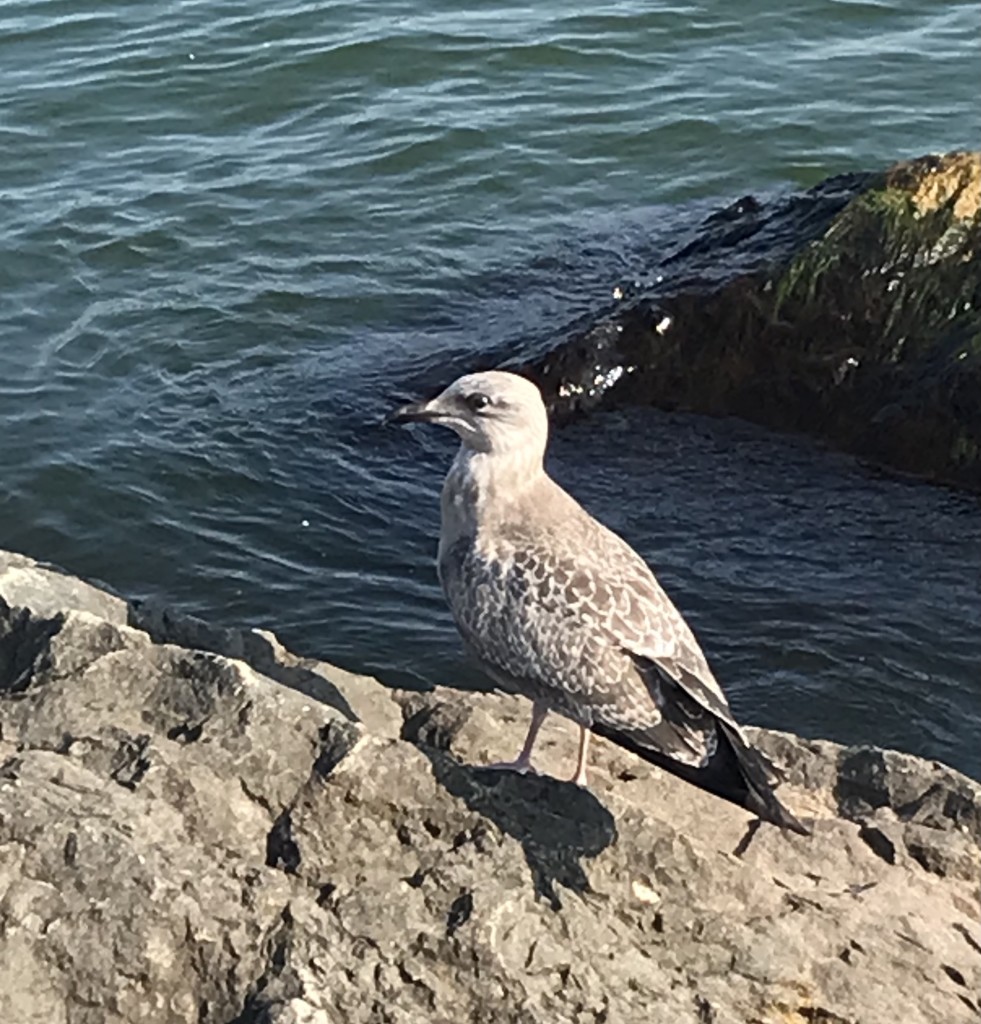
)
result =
(414, 412)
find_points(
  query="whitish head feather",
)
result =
(495, 413)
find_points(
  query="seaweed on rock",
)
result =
(864, 331)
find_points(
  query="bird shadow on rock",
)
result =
(558, 824)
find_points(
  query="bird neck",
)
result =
(482, 487)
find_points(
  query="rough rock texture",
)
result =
(243, 836)
(851, 312)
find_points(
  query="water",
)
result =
(231, 234)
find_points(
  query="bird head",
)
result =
(492, 412)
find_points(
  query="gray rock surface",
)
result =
(197, 826)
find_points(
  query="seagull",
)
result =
(558, 608)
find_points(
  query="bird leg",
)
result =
(522, 763)
(579, 778)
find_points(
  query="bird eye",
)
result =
(477, 401)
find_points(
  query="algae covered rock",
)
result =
(850, 312)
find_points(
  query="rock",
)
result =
(186, 834)
(851, 312)
(47, 590)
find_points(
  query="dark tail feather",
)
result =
(757, 773)
(735, 772)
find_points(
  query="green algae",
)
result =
(867, 332)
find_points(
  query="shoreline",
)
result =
(280, 841)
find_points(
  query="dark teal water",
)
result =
(230, 233)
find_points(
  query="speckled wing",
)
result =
(581, 623)
(662, 653)
(647, 624)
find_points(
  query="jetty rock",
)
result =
(850, 312)
(198, 826)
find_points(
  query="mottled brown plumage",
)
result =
(560, 609)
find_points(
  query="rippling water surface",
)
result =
(232, 232)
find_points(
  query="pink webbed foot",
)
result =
(519, 765)
(522, 763)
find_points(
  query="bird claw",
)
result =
(519, 766)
